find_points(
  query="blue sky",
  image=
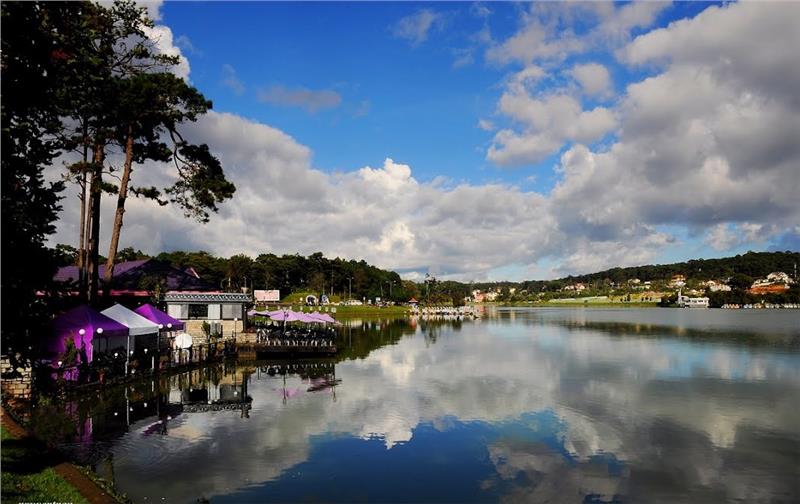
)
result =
(406, 100)
(491, 140)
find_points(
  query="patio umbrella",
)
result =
(324, 317)
(183, 341)
(286, 316)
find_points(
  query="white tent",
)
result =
(136, 324)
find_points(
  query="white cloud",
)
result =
(485, 124)
(415, 27)
(708, 142)
(161, 35)
(311, 100)
(593, 78)
(547, 32)
(231, 80)
(547, 117)
(185, 44)
(480, 10)
(550, 370)
(726, 236)
(547, 123)
(463, 57)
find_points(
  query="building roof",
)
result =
(130, 276)
(207, 297)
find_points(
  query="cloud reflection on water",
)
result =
(677, 419)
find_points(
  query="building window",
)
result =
(231, 311)
(198, 311)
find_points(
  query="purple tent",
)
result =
(286, 316)
(153, 314)
(94, 324)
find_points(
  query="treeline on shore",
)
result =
(349, 279)
(288, 273)
(739, 270)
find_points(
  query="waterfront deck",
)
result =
(283, 349)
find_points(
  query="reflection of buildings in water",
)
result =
(229, 392)
(319, 376)
(100, 417)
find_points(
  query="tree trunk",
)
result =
(94, 237)
(84, 224)
(121, 197)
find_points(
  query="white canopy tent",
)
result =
(136, 324)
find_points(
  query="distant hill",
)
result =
(751, 264)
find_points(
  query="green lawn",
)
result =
(26, 476)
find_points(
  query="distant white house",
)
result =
(775, 278)
(677, 281)
(716, 286)
(692, 302)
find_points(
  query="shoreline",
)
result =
(67, 473)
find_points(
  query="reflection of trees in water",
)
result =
(671, 331)
(357, 338)
(431, 329)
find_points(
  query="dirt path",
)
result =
(88, 488)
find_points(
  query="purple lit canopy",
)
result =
(153, 314)
(94, 324)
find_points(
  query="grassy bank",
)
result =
(343, 312)
(27, 477)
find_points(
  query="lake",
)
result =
(525, 404)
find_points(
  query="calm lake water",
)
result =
(541, 405)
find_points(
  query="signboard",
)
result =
(267, 296)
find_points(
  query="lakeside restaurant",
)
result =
(190, 300)
(131, 338)
(223, 311)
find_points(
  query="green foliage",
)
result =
(294, 273)
(27, 476)
(69, 357)
(129, 254)
(740, 281)
(32, 73)
(155, 286)
(65, 255)
(741, 297)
